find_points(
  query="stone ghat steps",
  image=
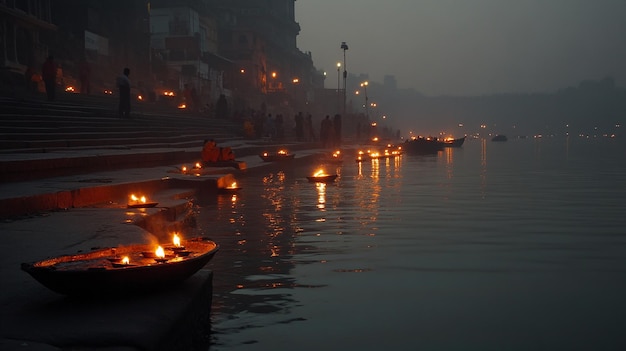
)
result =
(45, 126)
(40, 139)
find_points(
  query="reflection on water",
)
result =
(525, 251)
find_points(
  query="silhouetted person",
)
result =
(309, 133)
(84, 74)
(221, 108)
(30, 79)
(337, 128)
(123, 84)
(299, 119)
(49, 76)
(326, 131)
(280, 127)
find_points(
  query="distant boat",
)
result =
(281, 155)
(499, 137)
(423, 146)
(454, 142)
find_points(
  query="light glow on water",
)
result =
(515, 246)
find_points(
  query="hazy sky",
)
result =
(468, 47)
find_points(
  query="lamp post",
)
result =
(344, 47)
(338, 86)
(364, 86)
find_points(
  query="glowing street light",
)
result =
(364, 86)
(344, 47)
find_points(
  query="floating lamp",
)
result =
(140, 202)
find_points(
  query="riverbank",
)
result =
(70, 214)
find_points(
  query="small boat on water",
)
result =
(335, 158)
(123, 269)
(322, 177)
(423, 146)
(281, 155)
(499, 137)
(454, 142)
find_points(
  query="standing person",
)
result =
(123, 84)
(221, 109)
(280, 127)
(309, 135)
(337, 128)
(188, 97)
(299, 119)
(326, 132)
(49, 76)
(84, 73)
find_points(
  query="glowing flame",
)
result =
(159, 252)
(139, 97)
(233, 185)
(265, 154)
(282, 152)
(70, 89)
(134, 198)
(184, 169)
(125, 260)
(182, 106)
(108, 92)
(319, 173)
(176, 240)
(168, 93)
(198, 165)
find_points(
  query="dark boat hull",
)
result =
(93, 273)
(455, 143)
(322, 179)
(422, 146)
(277, 157)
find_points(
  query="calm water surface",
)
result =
(494, 246)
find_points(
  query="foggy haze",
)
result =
(469, 47)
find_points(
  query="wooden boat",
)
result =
(423, 146)
(276, 157)
(454, 142)
(103, 271)
(334, 158)
(229, 190)
(323, 178)
(142, 205)
(234, 164)
(499, 137)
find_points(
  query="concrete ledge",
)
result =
(175, 319)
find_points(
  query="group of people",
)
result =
(304, 127)
(49, 73)
(212, 153)
(330, 131)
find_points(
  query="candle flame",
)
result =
(160, 253)
(282, 152)
(233, 185)
(125, 260)
(319, 173)
(198, 165)
(184, 169)
(134, 198)
(176, 240)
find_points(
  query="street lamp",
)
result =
(364, 86)
(338, 86)
(344, 47)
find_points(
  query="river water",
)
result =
(518, 245)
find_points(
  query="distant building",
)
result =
(25, 27)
